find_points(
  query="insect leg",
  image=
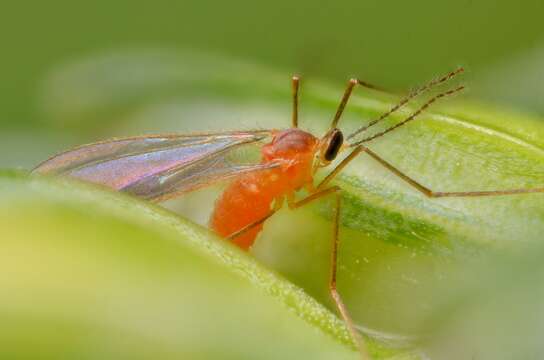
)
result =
(341, 307)
(343, 102)
(292, 205)
(316, 195)
(252, 225)
(436, 194)
(295, 80)
(333, 289)
(346, 96)
(358, 149)
(332, 282)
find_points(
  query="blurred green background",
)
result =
(75, 72)
(395, 44)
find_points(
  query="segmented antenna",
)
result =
(405, 100)
(411, 117)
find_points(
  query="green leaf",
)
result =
(493, 308)
(395, 243)
(93, 274)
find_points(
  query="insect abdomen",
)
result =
(249, 198)
(244, 202)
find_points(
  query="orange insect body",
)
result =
(250, 197)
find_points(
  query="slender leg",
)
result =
(292, 205)
(346, 96)
(334, 255)
(342, 309)
(316, 195)
(295, 85)
(339, 167)
(334, 291)
(343, 102)
(421, 188)
(436, 194)
(252, 225)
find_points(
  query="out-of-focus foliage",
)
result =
(492, 310)
(89, 274)
(393, 43)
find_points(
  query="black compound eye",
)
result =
(335, 143)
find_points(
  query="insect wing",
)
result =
(199, 174)
(154, 167)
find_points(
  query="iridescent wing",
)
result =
(156, 167)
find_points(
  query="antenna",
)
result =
(405, 100)
(411, 117)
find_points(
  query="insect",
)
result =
(160, 167)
